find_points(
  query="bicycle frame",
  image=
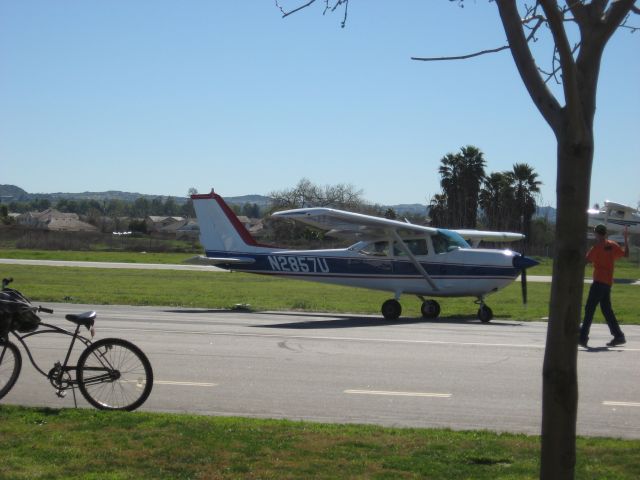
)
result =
(58, 368)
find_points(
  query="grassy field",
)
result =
(224, 290)
(96, 256)
(86, 444)
(626, 268)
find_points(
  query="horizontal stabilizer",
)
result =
(202, 260)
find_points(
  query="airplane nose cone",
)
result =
(522, 263)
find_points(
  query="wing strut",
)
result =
(414, 260)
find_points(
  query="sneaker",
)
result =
(617, 341)
(583, 342)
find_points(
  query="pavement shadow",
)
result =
(197, 310)
(473, 320)
(346, 322)
(328, 321)
(235, 309)
(601, 349)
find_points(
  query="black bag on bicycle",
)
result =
(16, 312)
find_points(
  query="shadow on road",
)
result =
(600, 349)
(327, 321)
(333, 321)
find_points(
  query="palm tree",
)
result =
(438, 210)
(462, 175)
(472, 176)
(526, 187)
(496, 201)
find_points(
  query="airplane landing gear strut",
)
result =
(485, 314)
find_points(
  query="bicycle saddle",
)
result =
(87, 318)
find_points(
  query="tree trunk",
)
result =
(560, 376)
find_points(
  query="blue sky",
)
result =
(158, 96)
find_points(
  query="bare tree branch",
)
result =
(555, 18)
(297, 9)
(538, 19)
(542, 98)
(327, 7)
(556, 68)
(616, 14)
(462, 57)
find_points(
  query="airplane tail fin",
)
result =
(220, 229)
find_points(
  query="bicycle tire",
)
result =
(114, 374)
(10, 366)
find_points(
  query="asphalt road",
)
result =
(340, 368)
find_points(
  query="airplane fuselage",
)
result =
(616, 217)
(460, 272)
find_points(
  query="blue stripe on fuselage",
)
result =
(312, 265)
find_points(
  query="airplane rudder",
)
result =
(220, 228)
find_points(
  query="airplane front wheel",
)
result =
(430, 309)
(485, 314)
(391, 309)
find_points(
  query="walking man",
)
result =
(603, 255)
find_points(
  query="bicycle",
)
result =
(111, 373)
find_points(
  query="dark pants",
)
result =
(599, 293)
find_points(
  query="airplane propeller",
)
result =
(522, 263)
(523, 283)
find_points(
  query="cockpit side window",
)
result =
(417, 246)
(377, 249)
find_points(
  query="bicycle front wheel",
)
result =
(114, 374)
(10, 365)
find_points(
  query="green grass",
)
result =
(86, 444)
(96, 256)
(224, 290)
(626, 268)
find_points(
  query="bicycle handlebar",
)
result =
(45, 310)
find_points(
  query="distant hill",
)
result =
(10, 193)
(410, 209)
(259, 200)
(546, 212)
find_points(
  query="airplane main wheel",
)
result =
(430, 309)
(391, 309)
(485, 314)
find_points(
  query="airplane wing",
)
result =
(477, 236)
(341, 222)
(619, 206)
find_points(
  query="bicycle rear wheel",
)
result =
(114, 374)
(10, 365)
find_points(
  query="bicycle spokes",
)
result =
(114, 374)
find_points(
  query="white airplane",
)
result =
(393, 256)
(615, 217)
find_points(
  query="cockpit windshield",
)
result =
(446, 240)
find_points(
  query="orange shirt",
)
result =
(603, 255)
